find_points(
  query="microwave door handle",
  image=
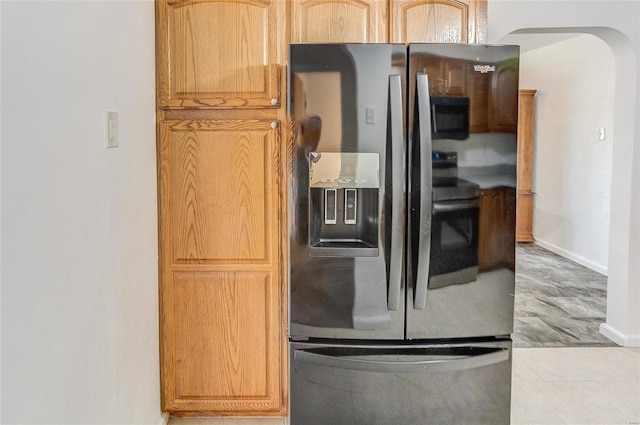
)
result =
(397, 176)
(424, 234)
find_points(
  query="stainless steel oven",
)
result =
(454, 227)
(454, 242)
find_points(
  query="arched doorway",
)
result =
(622, 133)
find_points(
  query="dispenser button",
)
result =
(330, 206)
(350, 206)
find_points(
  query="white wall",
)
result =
(615, 22)
(79, 231)
(575, 80)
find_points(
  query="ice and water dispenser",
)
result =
(343, 204)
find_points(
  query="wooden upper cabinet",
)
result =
(479, 87)
(503, 98)
(219, 53)
(438, 21)
(339, 21)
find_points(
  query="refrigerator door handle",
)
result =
(424, 237)
(436, 364)
(397, 175)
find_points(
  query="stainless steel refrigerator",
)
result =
(401, 233)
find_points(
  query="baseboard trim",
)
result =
(573, 257)
(164, 419)
(618, 337)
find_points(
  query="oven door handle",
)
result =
(424, 236)
(439, 207)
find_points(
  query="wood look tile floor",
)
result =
(564, 370)
(558, 303)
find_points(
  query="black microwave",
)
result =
(449, 118)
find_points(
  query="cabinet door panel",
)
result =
(219, 53)
(221, 311)
(219, 182)
(503, 101)
(479, 102)
(510, 227)
(524, 216)
(496, 240)
(338, 21)
(455, 74)
(430, 21)
(490, 229)
(225, 352)
(438, 21)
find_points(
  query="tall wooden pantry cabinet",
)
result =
(526, 124)
(220, 99)
(222, 136)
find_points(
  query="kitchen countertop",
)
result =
(501, 175)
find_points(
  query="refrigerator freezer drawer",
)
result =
(410, 384)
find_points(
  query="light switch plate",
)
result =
(111, 129)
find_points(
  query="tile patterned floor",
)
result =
(576, 385)
(558, 303)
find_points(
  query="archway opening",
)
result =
(583, 65)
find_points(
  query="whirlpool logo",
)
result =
(484, 68)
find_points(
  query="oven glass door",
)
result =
(454, 243)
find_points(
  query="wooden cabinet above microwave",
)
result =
(489, 93)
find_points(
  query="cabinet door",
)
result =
(490, 245)
(447, 77)
(221, 318)
(219, 53)
(524, 220)
(496, 239)
(456, 77)
(503, 99)
(479, 102)
(339, 21)
(510, 227)
(438, 21)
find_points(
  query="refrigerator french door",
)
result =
(392, 147)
